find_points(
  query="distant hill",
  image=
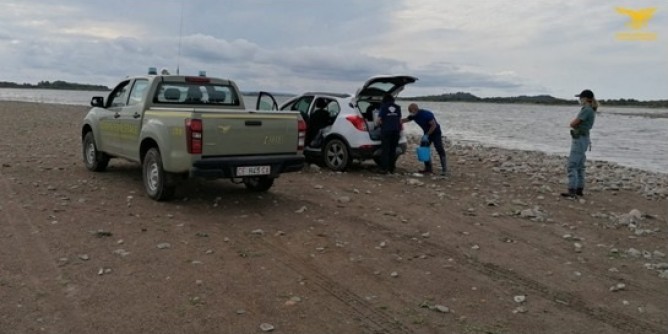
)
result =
(538, 99)
(54, 85)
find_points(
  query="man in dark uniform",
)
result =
(432, 134)
(389, 118)
(318, 120)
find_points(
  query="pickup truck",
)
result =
(178, 127)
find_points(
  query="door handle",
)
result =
(136, 115)
(253, 123)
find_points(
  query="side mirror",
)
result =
(97, 101)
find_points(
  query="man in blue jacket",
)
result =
(432, 134)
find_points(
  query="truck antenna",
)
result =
(178, 57)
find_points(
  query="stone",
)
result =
(618, 287)
(520, 309)
(265, 327)
(164, 245)
(520, 299)
(442, 309)
(633, 252)
(301, 210)
(258, 232)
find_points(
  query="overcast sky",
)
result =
(489, 48)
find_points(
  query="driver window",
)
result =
(137, 92)
(119, 96)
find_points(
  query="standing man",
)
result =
(432, 134)
(580, 128)
(389, 119)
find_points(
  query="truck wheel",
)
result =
(258, 183)
(158, 184)
(336, 155)
(95, 160)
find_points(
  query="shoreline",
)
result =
(601, 170)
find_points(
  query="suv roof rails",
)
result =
(339, 95)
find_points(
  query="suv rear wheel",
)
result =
(336, 155)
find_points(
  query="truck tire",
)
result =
(94, 160)
(336, 155)
(159, 185)
(258, 183)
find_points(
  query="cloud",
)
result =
(491, 48)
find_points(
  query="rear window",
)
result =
(196, 93)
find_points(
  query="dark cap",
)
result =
(586, 93)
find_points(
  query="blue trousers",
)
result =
(576, 162)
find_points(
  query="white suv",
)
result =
(349, 133)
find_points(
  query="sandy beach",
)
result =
(492, 248)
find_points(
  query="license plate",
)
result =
(253, 170)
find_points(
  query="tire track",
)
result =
(371, 319)
(36, 267)
(561, 298)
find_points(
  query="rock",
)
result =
(426, 234)
(394, 274)
(664, 274)
(520, 309)
(121, 252)
(265, 327)
(442, 309)
(202, 234)
(240, 311)
(618, 287)
(102, 234)
(84, 257)
(318, 186)
(344, 199)
(520, 299)
(301, 210)
(633, 252)
(258, 232)
(414, 182)
(164, 245)
(635, 213)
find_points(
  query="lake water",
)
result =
(632, 137)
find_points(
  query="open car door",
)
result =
(266, 101)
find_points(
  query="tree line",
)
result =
(538, 99)
(58, 84)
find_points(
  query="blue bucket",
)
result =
(423, 153)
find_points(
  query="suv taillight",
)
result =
(358, 122)
(194, 135)
(301, 138)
